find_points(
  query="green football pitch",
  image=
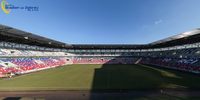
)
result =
(102, 77)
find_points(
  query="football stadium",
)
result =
(99, 50)
(36, 66)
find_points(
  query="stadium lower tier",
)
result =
(184, 64)
(17, 66)
(13, 66)
(104, 60)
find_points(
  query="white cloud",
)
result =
(158, 22)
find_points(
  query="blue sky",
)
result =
(105, 21)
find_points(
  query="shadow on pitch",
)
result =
(113, 81)
(12, 98)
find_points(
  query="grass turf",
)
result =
(97, 77)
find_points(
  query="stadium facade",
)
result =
(23, 52)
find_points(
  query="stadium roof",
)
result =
(106, 46)
(14, 35)
(17, 36)
(183, 38)
(179, 36)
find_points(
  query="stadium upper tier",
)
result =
(28, 53)
(9, 34)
